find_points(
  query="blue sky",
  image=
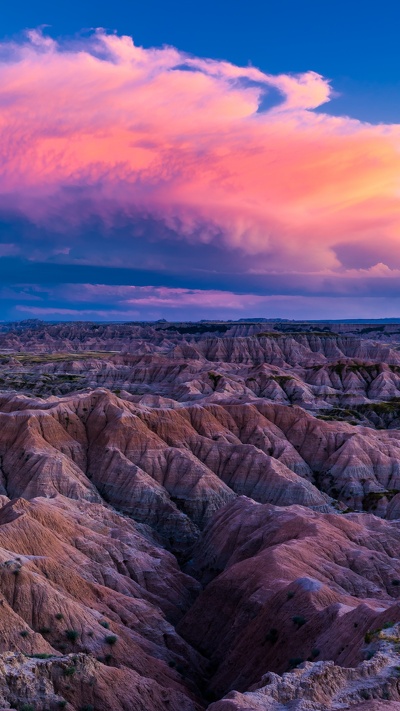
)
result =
(43, 252)
(354, 43)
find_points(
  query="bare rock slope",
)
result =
(199, 516)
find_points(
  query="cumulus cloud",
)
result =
(192, 166)
(102, 127)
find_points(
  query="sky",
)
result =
(199, 160)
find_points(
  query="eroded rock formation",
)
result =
(199, 515)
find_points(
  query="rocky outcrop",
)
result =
(324, 685)
(318, 370)
(78, 681)
(373, 685)
(199, 516)
(78, 579)
(286, 585)
(173, 467)
(169, 468)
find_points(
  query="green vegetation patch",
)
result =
(371, 500)
(282, 378)
(31, 358)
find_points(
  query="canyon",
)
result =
(200, 516)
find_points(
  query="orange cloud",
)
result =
(100, 127)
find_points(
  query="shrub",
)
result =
(111, 639)
(299, 620)
(181, 669)
(86, 707)
(104, 623)
(290, 594)
(315, 652)
(396, 582)
(69, 671)
(59, 616)
(72, 635)
(44, 630)
(27, 707)
(62, 704)
(272, 635)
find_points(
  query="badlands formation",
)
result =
(199, 516)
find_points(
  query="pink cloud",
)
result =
(127, 297)
(133, 303)
(157, 132)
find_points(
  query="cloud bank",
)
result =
(116, 155)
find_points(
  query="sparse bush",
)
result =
(44, 630)
(27, 707)
(290, 594)
(181, 669)
(272, 635)
(104, 623)
(69, 671)
(62, 703)
(111, 639)
(299, 620)
(59, 616)
(365, 694)
(24, 633)
(86, 707)
(71, 635)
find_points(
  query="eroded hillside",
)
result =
(190, 511)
